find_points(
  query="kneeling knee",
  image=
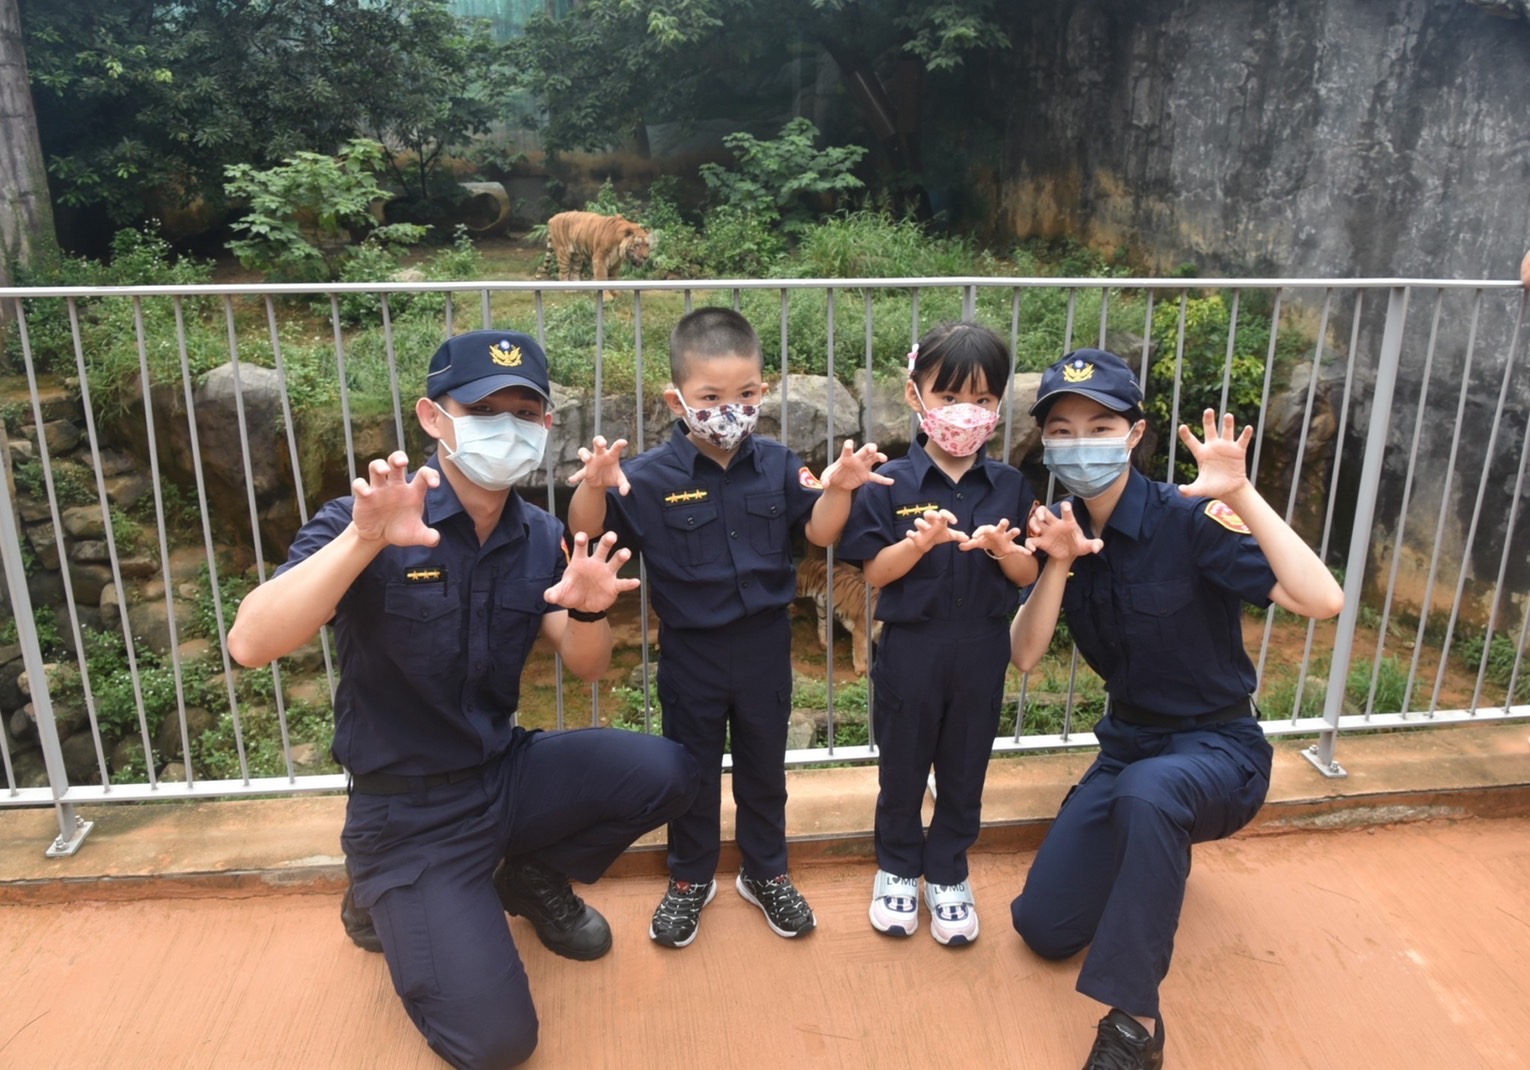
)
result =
(1043, 936)
(510, 1044)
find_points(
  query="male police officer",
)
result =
(437, 586)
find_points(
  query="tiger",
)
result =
(849, 604)
(603, 240)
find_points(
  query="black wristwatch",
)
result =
(586, 618)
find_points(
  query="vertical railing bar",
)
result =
(547, 459)
(638, 447)
(290, 430)
(249, 490)
(205, 512)
(156, 482)
(449, 315)
(1402, 509)
(1232, 349)
(345, 396)
(488, 312)
(55, 517)
(1509, 545)
(1372, 462)
(1104, 316)
(785, 368)
(70, 828)
(1426, 607)
(969, 302)
(868, 422)
(1068, 328)
(393, 388)
(1471, 531)
(829, 603)
(600, 363)
(1264, 404)
(1014, 369)
(1179, 374)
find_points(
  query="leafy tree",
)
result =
(774, 177)
(612, 65)
(144, 94)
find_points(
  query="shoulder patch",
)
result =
(685, 497)
(806, 477)
(1230, 520)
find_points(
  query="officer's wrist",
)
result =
(584, 617)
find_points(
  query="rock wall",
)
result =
(1301, 139)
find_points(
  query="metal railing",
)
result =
(1377, 350)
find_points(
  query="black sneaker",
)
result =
(565, 924)
(358, 923)
(679, 913)
(784, 908)
(1122, 1044)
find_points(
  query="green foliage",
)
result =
(1391, 685)
(1501, 654)
(217, 756)
(45, 626)
(780, 179)
(107, 327)
(304, 212)
(374, 261)
(1205, 367)
(141, 95)
(871, 244)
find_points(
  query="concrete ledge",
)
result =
(250, 847)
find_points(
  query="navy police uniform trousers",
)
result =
(422, 861)
(1110, 874)
(938, 689)
(715, 683)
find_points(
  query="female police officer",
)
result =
(1151, 579)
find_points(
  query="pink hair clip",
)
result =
(913, 355)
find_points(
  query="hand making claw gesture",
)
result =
(1060, 537)
(390, 507)
(998, 540)
(602, 466)
(934, 528)
(590, 582)
(1221, 458)
(852, 468)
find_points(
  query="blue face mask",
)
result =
(1086, 467)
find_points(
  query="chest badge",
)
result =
(1223, 515)
(916, 509)
(425, 574)
(685, 497)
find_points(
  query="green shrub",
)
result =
(782, 179)
(1501, 654)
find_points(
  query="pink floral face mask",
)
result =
(961, 429)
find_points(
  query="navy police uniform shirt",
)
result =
(432, 640)
(946, 583)
(1158, 612)
(716, 542)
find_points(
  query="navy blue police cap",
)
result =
(1097, 374)
(472, 366)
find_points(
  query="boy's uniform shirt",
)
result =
(432, 640)
(716, 542)
(1158, 613)
(946, 583)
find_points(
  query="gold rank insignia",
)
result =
(505, 355)
(683, 497)
(806, 477)
(917, 509)
(426, 574)
(1230, 520)
(1078, 370)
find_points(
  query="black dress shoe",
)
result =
(565, 924)
(358, 923)
(1121, 1043)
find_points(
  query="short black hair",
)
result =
(710, 332)
(959, 353)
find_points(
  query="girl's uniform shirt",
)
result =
(947, 583)
(1158, 613)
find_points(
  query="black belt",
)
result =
(1129, 714)
(398, 784)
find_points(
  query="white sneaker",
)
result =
(953, 914)
(895, 904)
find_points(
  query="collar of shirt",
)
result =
(442, 503)
(1130, 516)
(690, 456)
(922, 464)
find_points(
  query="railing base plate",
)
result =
(63, 848)
(1331, 769)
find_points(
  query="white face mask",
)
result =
(724, 426)
(496, 451)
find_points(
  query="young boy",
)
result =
(714, 510)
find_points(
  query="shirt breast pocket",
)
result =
(695, 534)
(1160, 623)
(767, 522)
(518, 610)
(423, 626)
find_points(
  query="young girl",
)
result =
(940, 542)
(1152, 579)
